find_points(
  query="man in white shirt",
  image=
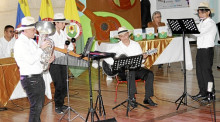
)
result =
(7, 42)
(58, 72)
(28, 56)
(205, 51)
(132, 48)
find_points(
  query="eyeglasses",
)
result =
(157, 17)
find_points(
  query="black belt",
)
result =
(206, 48)
(31, 75)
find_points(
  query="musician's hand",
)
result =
(52, 58)
(65, 46)
(145, 56)
(45, 44)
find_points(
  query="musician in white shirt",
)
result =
(7, 42)
(58, 72)
(28, 56)
(205, 50)
(132, 48)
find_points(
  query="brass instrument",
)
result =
(45, 30)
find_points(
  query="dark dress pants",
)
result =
(35, 89)
(144, 74)
(204, 62)
(59, 75)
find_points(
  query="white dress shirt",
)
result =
(6, 47)
(59, 41)
(131, 50)
(208, 31)
(28, 56)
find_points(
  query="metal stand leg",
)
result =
(128, 100)
(185, 94)
(67, 111)
(91, 109)
(99, 100)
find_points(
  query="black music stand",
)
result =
(97, 56)
(183, 26)
(129, 63)
(86, 53)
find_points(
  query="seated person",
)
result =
(156, 17)
(156, 23)
(131, 48)
(7, 42)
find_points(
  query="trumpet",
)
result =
(45, 30)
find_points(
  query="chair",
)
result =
(120, 81)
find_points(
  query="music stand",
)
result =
(97, 56)
(183, 26)
(129, 63)
(86, 53)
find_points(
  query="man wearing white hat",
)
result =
(132, 48)
(58, 72)
(28, 56)
(205, 50)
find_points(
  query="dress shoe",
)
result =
(218, 67)
(133, 103)
(207, 99)
(198, 96)
(59, 110)
(149, 101)
(64, 107)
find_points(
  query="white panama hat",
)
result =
(122, 30)
(59, 17)
(205, 5)
(27, 22)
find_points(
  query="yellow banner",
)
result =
(70, 10)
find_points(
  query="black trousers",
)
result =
(204, 62)
(59, 75)
(35, 89)
(144, 74)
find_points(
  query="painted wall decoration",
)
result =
(99, 17)
(167, 4)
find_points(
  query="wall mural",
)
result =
(99, 17)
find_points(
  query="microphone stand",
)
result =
(67, 111)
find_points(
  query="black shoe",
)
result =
(207, 99)
(59, 110)
(218, 67)
(64, 107)
(149, 101)
(133, 103)
(198, 96)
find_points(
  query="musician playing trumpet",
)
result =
(131, 48)
(59, 72)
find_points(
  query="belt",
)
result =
(31, 75)
(205, 48)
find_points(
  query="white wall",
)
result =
(177, 13)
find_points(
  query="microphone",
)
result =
(210, 89)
